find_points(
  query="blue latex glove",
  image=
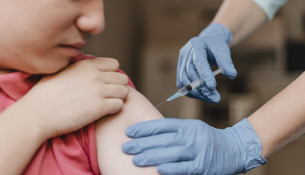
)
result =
(199, 55)
(186, 146)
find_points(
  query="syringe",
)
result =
(193, 85)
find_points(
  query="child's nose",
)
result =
(92, 19)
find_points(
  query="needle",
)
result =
(188, 88)
(160, 104)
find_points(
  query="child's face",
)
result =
(40, 36)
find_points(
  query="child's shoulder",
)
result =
(83, 56)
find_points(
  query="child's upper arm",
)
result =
(110, 135)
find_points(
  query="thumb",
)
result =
(179, 168)
(153, 127)
(106, 64)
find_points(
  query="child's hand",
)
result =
(76, 96)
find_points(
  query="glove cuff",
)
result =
(219, 30)
(251, 143)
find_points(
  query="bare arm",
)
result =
(281, 119)
(20, 138)
(241, 17)
(56, 105)
(111, 136)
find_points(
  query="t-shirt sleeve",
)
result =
(270, 6)
(87, 139)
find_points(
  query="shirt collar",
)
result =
(17, 84)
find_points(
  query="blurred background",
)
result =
(146, 36)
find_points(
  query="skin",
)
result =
(241, 17)
(281, 119)
(23, 49)
(111, 136)
(41, 38)
(34, 39)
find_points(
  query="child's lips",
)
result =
(77, 45)
(72, 49)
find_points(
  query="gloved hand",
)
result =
(186, 146)
(199, 55)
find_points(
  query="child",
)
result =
(38, 40)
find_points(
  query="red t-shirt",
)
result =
(73, 153)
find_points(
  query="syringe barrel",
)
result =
(183, 91)
(196, 84)
(193, 85)
(186, 89)
(199, 82)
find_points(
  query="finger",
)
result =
(194, 76)
(191, 70)
(203, 67)
(115, 91)
(115, 78)
(203, 92)
(159, 141)
(152, 127)
(224, 61)
(213, 95)
(105, 64)
(206, 94)
(157, 156)
(111, 106)
(184, 55)
(196, 93)
(178, 168)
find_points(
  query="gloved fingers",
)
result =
(223, 59)
(185, 54)
(191, 70)
(206, 94)
(203, 92)
(152, 127)
(196, 93)
(159, 141)
(212, 95)
(178, 168)
(157, 156)
(203, 67)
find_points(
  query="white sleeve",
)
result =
(270, 6)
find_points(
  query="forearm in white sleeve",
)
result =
(270, 6)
